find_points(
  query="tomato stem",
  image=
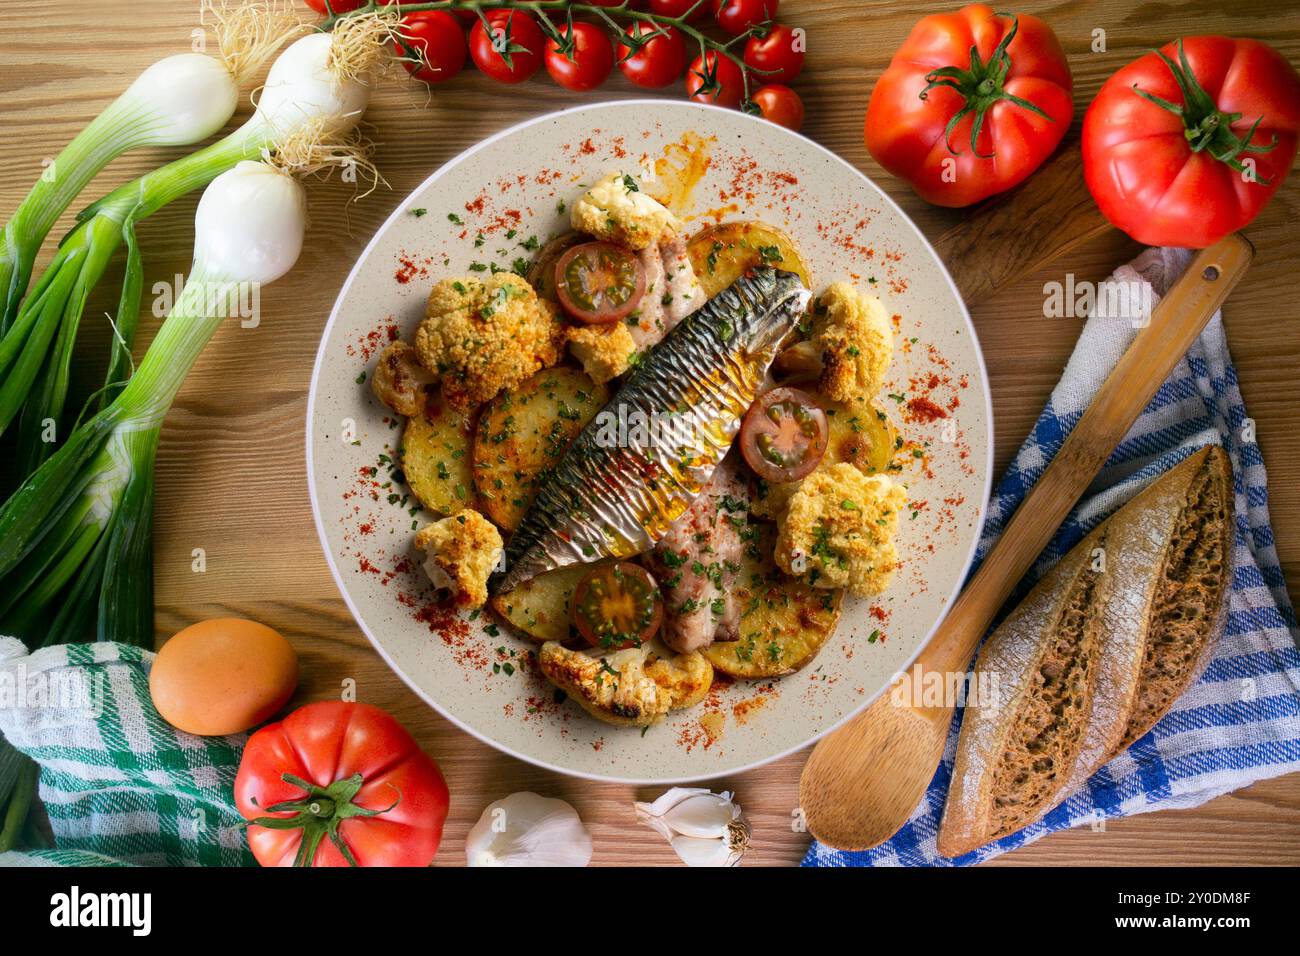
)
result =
(980, 85)
(1206, 127)
(318, 814)
(541, 7)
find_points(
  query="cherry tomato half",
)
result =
(510, 48)
(599, 282)
(777, 56)
(737, 16)
(586, 64)
(677, 8)
(715, 79)
(432, 45)
(780, 104)
(617, 606)
(660, 60)
(783, 436)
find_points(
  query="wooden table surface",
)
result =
(231, 475)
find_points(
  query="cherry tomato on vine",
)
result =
(780, 104)
(431, 45)
(340, 6)
(677, 8)
(659, 61)
(584, 60)
(737, 16)
(777, 56)
(714, 78)
(510, 49)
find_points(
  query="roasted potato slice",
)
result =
(862, 435)
(435, 457)
(722, 254)
(525, 431)
(540, 607)
(783, 621)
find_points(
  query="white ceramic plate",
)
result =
(509, 188)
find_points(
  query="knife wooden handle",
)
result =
(1157, 348)
(1019, 232)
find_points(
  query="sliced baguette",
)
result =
(1040, 665)
(1127, 634)
(1162, 548)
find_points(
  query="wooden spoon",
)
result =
(864, 780)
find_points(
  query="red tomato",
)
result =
(432, 45)
(599, 282)
(783, 435)
(1188, 178)
(714, 78)
(660, 60)
(512, 50)
(780, 104)
(364, 792)
(677, 8)
(737, 16)
(584, 65)
(617, 606)
(777, 56)
(340, 6)
(961, 131)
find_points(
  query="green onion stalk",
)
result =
(75, 548)
(309, 86)
(176, 101)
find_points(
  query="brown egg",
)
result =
(222, 676)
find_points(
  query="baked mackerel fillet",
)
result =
(640, 463)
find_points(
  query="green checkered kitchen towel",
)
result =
(117, 781)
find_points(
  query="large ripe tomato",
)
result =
(583, 60)
(776, 55)
(340, 6)
(714, 78)
(510, 48)
(1188, 144)
(432, 45)
(659, 61)
(356, 786)
(961, 128)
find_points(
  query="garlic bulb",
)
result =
(525, 829)
(703, 828)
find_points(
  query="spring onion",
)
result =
(175, 102)
(318, 83)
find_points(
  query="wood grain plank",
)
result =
(231, 473)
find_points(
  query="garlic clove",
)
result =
(704, 815)
(696, 852)
(525, 829)
(668, 800)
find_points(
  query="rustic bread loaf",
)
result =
(1095, 654)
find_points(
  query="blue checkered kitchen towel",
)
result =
(1241, 721)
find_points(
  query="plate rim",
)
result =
(336, 574)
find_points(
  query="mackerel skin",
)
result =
(640, 463)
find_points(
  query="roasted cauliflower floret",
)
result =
(461, 551)
(616, 210)
(838, 530)
(631, 688)
(482, 336)
(605, 351)
(399, 379)
(852, 338)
